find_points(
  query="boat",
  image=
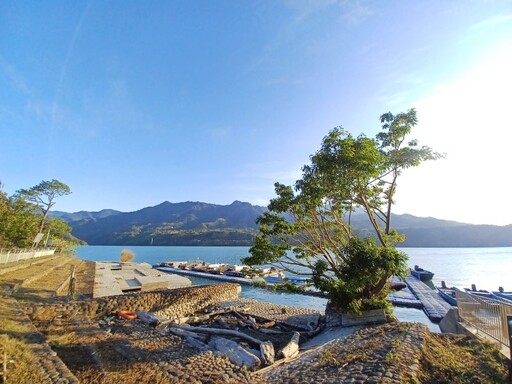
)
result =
(502, 295)
(396, 285)
(422, 274)
(234, 273)
(448, 294)
(298, 281)
(273, 280)
(480, 292)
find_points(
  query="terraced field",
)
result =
(47, 277)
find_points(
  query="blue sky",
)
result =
(134, 103)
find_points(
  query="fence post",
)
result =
(509, 327)
(4, 368)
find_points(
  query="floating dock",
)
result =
(433, 305)
(405, 298)
(231, 279)
(416, 295)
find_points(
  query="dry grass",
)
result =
(20, 362)
(461, 360)
(134, 374)
(126, 256)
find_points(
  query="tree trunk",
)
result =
(267, 352)
(235, 353)
(220, 331)
(292, 348)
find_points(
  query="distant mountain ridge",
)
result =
(198, 223)
(187, 223)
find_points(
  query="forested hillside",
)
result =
(197, 223)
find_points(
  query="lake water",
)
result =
(488, 268)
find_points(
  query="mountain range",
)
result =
(197, 223)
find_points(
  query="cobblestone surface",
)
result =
(377, 354)
(387, 353)
(299, 318)
(50, 367)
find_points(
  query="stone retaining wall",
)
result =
(336, 318)
(172, 303)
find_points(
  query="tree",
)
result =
(18, 222)
(313, 218)
(43, 196)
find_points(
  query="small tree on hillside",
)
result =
(18, 222)
(313, 218)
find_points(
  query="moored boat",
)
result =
(502, 294)
(448, 295)
(422, 274)
(480, 292)
(397, 285)
(273, 280)
(298, 281)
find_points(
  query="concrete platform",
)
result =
(113, 278)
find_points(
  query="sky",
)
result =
(133, 103)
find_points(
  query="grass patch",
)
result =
(134, 374)
(461, 360)
(20, 362)
(341, 357)
(62, 339)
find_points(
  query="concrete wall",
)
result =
(12, 256)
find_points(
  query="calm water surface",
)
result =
(488, 268)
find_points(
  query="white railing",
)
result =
(486, 315)
(14, 255)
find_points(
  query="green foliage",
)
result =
(259, 284)
(345, 174)
(252, 272)
(20, 219)
(43, 196)
(286, 286)
(289, 287)
(359, 283)
(18, 222)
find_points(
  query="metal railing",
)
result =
(14, 255)
(486, 315)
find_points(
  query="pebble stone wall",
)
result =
(173, 303)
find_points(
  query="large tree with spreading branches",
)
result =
(44, 196)
(307, 228)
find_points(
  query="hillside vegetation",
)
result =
(197, 223)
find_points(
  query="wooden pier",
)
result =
(433, 305)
